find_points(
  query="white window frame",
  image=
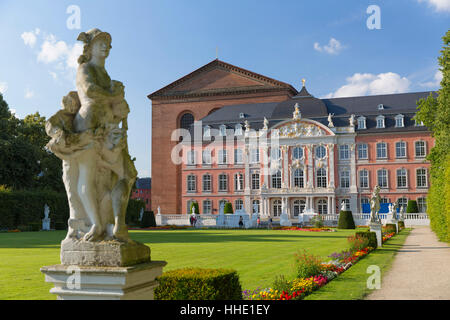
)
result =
(238, 204)
(276, 184)
(207, 206)
(381, 124)
(405, 177)
(207, 183)
(238, 156)
(387, 178)
(424, 149)
(397, 156)
(254, 155)
(385, 150)
(238, 182)
(344, 152)
(399, 121)
(223, 156)
(223, 182)
(298, 181)
(364, 178)
(344, 179)
(206, 156)
(191, 183)
(191, 158)
(297, 150)
(255, 181)
(319, 154)
(362, 123)
(425, 177)
(320, 179)
(363, 148)
(422, 204)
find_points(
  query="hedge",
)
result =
(228, 209)
(346, 220)
(199, 284)
(390, 227)
(412, 207)
(148, 220)
(401, 225)
(197, 209)
(25, 209)
(372, 236)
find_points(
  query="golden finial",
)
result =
(303, 81)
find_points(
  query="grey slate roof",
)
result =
(144, 183)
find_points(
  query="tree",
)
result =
(228, 209)
(434, 112)
(194, 204)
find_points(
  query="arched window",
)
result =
(299, 180)
(238, 204)
(297, 153)
(422, 204)
(186, 120)
(276, 208)
(299, 207)
(322, 206)
(321, 178)
(276, 180)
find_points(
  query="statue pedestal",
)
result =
(46, 224)
(104, 283)
(284, 220)
(376, 227)
(394, 221)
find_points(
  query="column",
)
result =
(331, 183)
(353, 187)
(333, 204)
(310, 183)
(284, 150)
(329, 205)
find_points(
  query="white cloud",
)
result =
(436, 81)
(29, 38)
(361, 84)
(3, 87)
(29, 93)
(438, 5)
(333, 47)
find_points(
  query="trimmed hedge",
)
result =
(228, 209)
(390, 227)
(148, 220)
(26, 209)
(412, 207)
(401, 225)
(199, 284)
(197, 209)
(346, 220)
(372, 236)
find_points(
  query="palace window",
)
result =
(207, 207)
(206, 183)
(402, 202)
(322, 206)
(297, 153)
(382, 178)
(381, 150)
(191, 183)
(255, 181)
(344, 152)
(421, 178)
(321, 178)
(299, 181)
(238, 156)
(362, 151)
(422, 204)
(362, 123)
(321, 152)
(206, 156)
(238, 182)
(347, 204)
(254, 155)
(399, 121)
(299, 207)
(223, 156)
(420, 149)
(364, 179)
(186, 121)
(223, 182)
(276, 208)
(238, 204)
(238, 130)
(401, 178)
(275, 154)
(276, 180)
(345, 179)
(188, 206)
(400, 149)
(363, 201)
(191, 157)
(380, 122)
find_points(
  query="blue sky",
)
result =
(156, 42)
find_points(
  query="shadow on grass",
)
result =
(53, 239)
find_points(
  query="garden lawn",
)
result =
(352, 284)
(257, 255)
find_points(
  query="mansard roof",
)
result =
(220, 78)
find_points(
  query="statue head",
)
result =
(96, 43)
(71, 102)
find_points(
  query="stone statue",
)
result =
(266, 124)
(375, 205)
(193, 210)
(247, 125)
(159, 210)
(46, 220)
(90, 135)
(351, 120)
(297, 115)
(141, 214)
(330, 120)
(343, 206)
(255, 208)
(222, 208)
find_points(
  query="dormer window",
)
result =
(223, 130)
(238, 130)
(399, 121)
(380, 106)
(362, 123)
(207, 132)
(380, 122)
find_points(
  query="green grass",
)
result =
(352, 284)
(257, 255)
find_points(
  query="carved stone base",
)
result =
(376, 227)
(104, 283)
(103, 254)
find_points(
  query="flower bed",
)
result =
(162, 228)
(387, 236)
(300, 287)
(305, 229)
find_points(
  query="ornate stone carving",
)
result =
(330, 120)
(299, 129)
(297, 115)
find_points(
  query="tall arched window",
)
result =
(276, 180)
(276, 208)
(321, 178)
(186, 120)
(322, 206)
(299, 207)
(299, 180)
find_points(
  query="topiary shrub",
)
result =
(412, 207)
(199, 284)
(228, 209)
(148, 220)
(401, 225)
(372, 236)
(390, 227)
(194, 204)
(346, 220)
(133, 211)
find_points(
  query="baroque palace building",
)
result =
(262, 145)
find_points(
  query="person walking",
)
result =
(270, 223)
(258, 222)
(241, 223)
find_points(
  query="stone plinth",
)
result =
(104, 253)
(284, 220)
(104, 283)
(376, 227)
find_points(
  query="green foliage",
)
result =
(371, 236)
(316, 221)
(148, 220)
(346, 220)
(401, 225)
(358, 242)
(228, 209)
(306, 264)
(199, 284)
(194, 204)
(412, 207)
(434, 112)
(281, 284)
(390, 227)
(133, 211)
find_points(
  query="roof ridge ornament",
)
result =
(297, 115)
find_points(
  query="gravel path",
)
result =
(421, 270)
